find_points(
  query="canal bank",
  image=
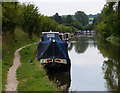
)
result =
(114, 40)
(31, 75)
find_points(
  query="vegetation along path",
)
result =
(12, 81)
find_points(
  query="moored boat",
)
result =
(52, 52)
(67, 36)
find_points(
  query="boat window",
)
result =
(50, 35)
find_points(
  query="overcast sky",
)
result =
(65, 7)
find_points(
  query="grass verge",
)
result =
(11, 42)
(31, 76)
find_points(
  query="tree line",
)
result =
(107, 23)
(79, 20)
(32, 21)
(27, 17)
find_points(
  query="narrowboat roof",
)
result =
(66, 33)
(49, 32)
(45, 47)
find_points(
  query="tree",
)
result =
(9, 17)
(77, 24)
(81, 17)
(108, 26)
(31, 19)
(61, 28)
(96, 20)
(69, 19)
(57, 18)
(88, 27)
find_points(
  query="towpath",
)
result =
(12, 81)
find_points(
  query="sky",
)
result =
(65, 7)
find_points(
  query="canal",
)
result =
(95, 66)
(86, 64)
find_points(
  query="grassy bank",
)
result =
(31, 76)
(11, 42)
(114, 40)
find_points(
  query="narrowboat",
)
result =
(52, 52)
(67, 36)
(61, 35)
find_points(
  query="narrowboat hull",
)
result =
(57, 67)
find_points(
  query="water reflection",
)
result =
(62, 80)
(70, 45)
(86, 65)
(111, 67)
(81, 43)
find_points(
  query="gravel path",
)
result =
(12, 81)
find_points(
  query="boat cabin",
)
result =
(50, 36)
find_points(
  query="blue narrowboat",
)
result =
(52, 52)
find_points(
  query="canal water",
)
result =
(86, 65)
(95, 66)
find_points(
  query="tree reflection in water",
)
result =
(70, 46)
(111, 67)
(81, 43)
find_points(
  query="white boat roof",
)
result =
(49, 32)
(66, 33)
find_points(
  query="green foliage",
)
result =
(107, 22)
(9, 16)
(61, 28)
(30, 19)
(96, 20)
(78, 21)
(81, 17)
(57, 18)
(88, 27)
(102, 30)
(77, 24)
(69, 19)
(47, 24)
(114, 40)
